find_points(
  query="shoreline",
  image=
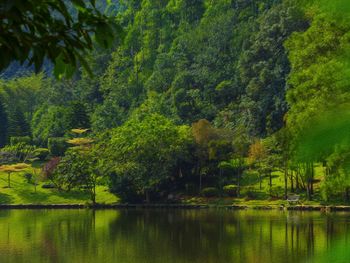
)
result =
(320, 208)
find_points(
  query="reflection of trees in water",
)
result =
(51, 236)
(167, 236)
(206, 236)
(68, 232)
(185, 235)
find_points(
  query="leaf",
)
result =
(63, 69)
(85, 64)
(79, 3)
(104, 35)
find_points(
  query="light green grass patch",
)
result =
(21, 192)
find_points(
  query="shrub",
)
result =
(57, 146)
(231, 190)
(48, 186)
(249, 192)
(49, 168)
(42, 153)
(28, 177)
(125, 188)
(333, 188)
(277, 191)
(16, 153)
(210, 192)
(20, 140)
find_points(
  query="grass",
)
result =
(22, 192)
(262, 197)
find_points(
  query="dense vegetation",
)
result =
(218, 98)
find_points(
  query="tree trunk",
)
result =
(93, 195)
(260, 179)
(148, 200)
(308, 190)
(286, 182)
(347, 196)
(312, 179)
(296, 180)
(239, 183)
(270, 179)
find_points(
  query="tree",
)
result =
(17, 123)
(78, 169)
(56, 30)
(318, 81)
(318, 93)
(142, 154)
(257, 155)
(284, 150)
(77, 116)
(13, 168)
(49, 168)
(20, 152)
(203, 133)
(48, 122)
(237, 165)
(3, 124)
(264, 65)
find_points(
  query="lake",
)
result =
(169, 236)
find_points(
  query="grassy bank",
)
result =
(22, 192)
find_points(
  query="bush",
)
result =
(57, 146)
(210, 192)
(125, 189)
(28, 177)
(333, 188)
(231, 190)
(42, 153)
(277, 191)
(16, 153)
(48, 186)
(20, 140)
(50, 167)
(249, 192)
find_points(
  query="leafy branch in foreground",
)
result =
(33, 31)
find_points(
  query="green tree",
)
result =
(3, 124)
(48, 122)
(238, 166)
(78, 169)
(77, 116)
(17, 124)
(264, 65)
(55, 29)
(257, 155)
(143, 153)
(13, 168)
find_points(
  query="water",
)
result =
(169, 236)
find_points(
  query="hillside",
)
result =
(193, 98)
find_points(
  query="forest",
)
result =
(194, 100)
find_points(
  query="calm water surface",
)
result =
(169, 236)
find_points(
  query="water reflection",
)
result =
(172, 236)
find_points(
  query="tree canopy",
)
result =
(33, 30)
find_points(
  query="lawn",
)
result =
(22, 192)
(262, 197)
